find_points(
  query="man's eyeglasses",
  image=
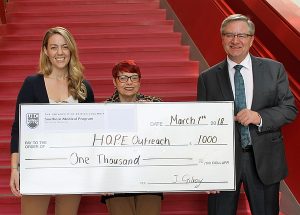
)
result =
(239, 36)
(124, 78)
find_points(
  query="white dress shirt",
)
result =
(247, 74)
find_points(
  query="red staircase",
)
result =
(106, 32)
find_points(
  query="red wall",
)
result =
(202, 20)
(202, 25)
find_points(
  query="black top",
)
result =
(34, 90)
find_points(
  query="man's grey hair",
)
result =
(238, 17)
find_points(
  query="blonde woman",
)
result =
(60, 79)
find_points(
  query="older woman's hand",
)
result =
(107, 194)
(213, 192)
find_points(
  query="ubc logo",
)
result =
(32, 120)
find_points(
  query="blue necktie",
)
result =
(240, 103)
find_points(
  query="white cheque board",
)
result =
(126, 147)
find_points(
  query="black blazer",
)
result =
(272, 99)
(34, 90)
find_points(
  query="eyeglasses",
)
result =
(124, 78)
(239, 36)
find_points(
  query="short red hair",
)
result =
(126, 66)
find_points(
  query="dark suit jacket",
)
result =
(34, 90)
(272, 99)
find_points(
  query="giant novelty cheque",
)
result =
(126, 147)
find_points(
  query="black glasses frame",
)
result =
(239, 36)
(124, 78)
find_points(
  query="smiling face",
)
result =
(58, 52)
(237, 48)
(129, 88)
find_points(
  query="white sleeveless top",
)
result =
(70, 99)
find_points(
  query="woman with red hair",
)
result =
(127, 82)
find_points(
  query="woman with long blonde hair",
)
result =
(59, 80)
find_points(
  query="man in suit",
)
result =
(259, 149)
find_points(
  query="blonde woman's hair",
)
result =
(75, 72)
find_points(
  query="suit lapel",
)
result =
(224, 81)
(226, 88)
(257, 70)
